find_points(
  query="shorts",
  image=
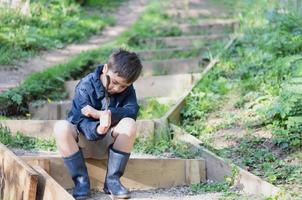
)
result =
(96, 149)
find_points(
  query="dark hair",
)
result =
(126, 64)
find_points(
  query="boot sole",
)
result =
(126, 196)
(113, 197)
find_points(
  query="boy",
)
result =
(93, 124)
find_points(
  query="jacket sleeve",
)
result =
(86, 125)
(129, 108)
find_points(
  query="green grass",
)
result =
(21, 141)
(153, 23)
(152, 109)
(104, 5)
(52, 24)
(260, 64)
(207, 96)
(49, 84)
(209, 187)
(164, 146)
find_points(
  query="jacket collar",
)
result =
(97, 83)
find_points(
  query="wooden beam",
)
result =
(171, 66)
(48, 188)
(17, 179)
(163, 86)
(217, 168)
(158, 86)
(173, 115)
(153, 173)
(44, 128)
(140, 173)
(58, 110)
(194, 13)
(57, 169)
(210, 26)
(32, 128)
(151, 54)
(184, 41)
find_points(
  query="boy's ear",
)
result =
(105, 69)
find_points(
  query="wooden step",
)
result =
(57, 110)
(44, 128)
(172, 66)
(211, 26)
(154, 86)
(140, 173)
(195, 13)
(18, 179)
(184, 41)
(48, 188)
(168, 53)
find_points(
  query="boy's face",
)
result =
(117, 84)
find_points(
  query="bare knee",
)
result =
(64, 130)
(127, 126)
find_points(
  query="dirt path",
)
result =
(174, 193)
(229, 122)
(125, 16)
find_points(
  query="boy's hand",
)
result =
(105, 121)
(89, 111)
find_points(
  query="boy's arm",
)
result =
(103, 116)
(88, 111)
(129, 109)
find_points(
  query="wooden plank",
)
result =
(171, 66)
(166, 53)
(50, 110)
(183, 41)
(163, 86)
(173, 115)
(42, 163)
(57, 169)
(44, 128)
(140, 173)
(218, 168)
(17, 179)
(32, 128)
(48, 188)
(195, 172)
(189, 13)
(158, 86)
(62, 108)
(212, 26)
(149, 173)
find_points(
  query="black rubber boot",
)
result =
(78, 171)
(116, 165)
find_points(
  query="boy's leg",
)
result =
(66, 135)
(118, 156)
(124, 134)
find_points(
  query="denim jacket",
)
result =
(90, 91)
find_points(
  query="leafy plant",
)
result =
(25, 142)
(52, 24)
(152, 109)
